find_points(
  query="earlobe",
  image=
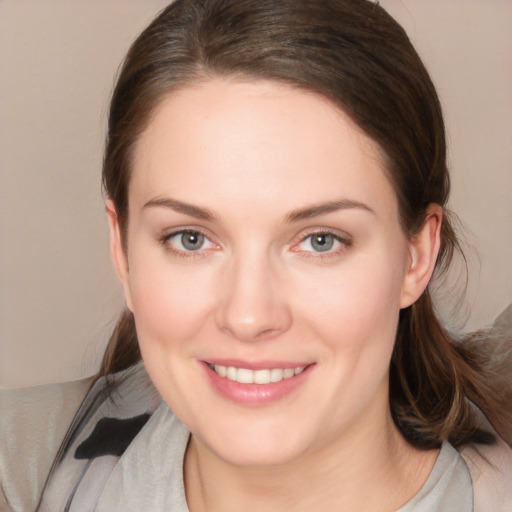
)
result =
(423, 250)
(117, 250)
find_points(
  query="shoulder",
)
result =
(33, 422)
(112, 414)
(490, 467)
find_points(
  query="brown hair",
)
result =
(355, 54)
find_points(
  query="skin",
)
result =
(253, 155)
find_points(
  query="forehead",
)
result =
(257, 143)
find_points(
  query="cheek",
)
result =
(357, 306)
(355, 314)
(170, 303)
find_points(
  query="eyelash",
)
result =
(343, 242)
(183, 253)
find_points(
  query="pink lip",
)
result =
(255, 394)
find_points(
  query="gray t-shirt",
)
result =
(142, 469)
(158, 457)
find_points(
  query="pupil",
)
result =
(322, 242)
(192, 241)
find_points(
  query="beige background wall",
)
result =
(58, 295)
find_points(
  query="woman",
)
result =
(276, 185)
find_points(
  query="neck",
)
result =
(372, 468)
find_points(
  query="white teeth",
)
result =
(262, 377)
(221, 370)
(276, 375)
(244, 376)
(231, 373)
(247, 376)
(289, 372)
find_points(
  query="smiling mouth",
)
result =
(263, 376)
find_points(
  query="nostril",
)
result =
(268, 333)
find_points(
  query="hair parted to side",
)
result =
(355, 54)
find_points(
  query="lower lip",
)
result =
(255, 394)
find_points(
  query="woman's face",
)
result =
(266, 268)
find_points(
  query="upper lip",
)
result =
(257, 365)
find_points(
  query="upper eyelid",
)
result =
(176, 231)
(341, 240)
(164, 240)
(338, 234)
(344, 240)
(342, 236)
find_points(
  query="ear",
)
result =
(423, 251)
(117, 251)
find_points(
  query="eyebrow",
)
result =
(180, 207)
(323, 208)
(294, 216)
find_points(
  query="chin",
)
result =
(259, 444)
(258, 455)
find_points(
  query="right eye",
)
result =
(188, 241)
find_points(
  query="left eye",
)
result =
(320, 242)
(188, 241)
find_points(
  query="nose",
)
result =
(253, 303)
